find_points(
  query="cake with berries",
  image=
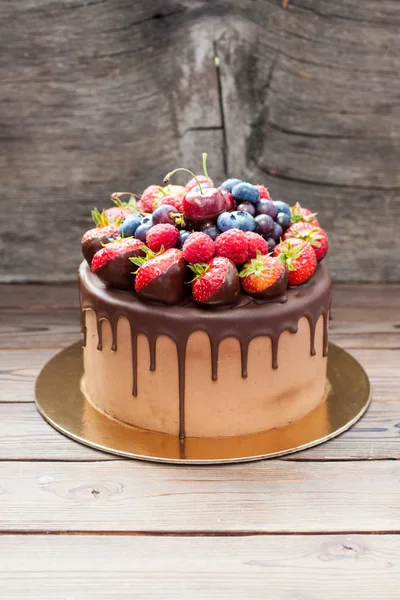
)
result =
(204, 309)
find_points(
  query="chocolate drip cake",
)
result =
(205, 310)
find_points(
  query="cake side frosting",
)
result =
(248, 320)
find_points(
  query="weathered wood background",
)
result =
(104, 95)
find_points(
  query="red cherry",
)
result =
(207, 206)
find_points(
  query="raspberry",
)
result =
(198, 248)
(232, 244)
(162, 235)
(255, 242)
(172, 201)
(264, 193)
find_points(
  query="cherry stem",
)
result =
(205, 165)
(169, 175)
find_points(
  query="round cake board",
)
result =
(60, 401)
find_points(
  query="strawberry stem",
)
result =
(169, 175)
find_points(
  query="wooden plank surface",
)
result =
(332, 566)
(269, 496)
(97, 96)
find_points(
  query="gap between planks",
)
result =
(195, 533)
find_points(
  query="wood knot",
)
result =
(340, 550)
(88, 492)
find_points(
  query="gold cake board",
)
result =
(61, 402)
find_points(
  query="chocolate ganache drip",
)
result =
(245, 321)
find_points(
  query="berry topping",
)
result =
(246, 192)
(264, 225)
(174, 201)
(199, 181)
(282, 207)
(150, 197)
(229, 200)
(229, 184)
(232, 244)
(256, 244)
(161, 277)
(215, 284)
(266, 207)
(198, 248)
(130, 224)
(236, 220)
(277, 232)
(211, 230)
(315, 236)
(298, 213)
(264, 193)
(144, 227)
(166, 213)
(283, 220)
(300, 259)
(183, 236)
(264, 277)
(162, 236)
(247, 207)
(115, 214)
(112, 265)
(93, 240)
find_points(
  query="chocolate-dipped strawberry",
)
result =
(161, 277)
(264, 277)
(112, 263)
(215, 283)
(94, 239)
(203, 203)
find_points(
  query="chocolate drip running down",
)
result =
(246, 321)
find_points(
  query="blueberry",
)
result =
(236, 220)
(271, 244)
(264, 225)
(183, 236)
(130, 224)
(277, 232)
(247, 207)
(283, 219)
(141, 231)
(266, 207)
(211, 230)
(282, 207)
(162, 214)
(229, 184)
(246, 192)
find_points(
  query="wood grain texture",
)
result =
(270, 497)
(24, 435)
(102, 95)
(180, 567)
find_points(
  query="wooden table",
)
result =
(76, 523)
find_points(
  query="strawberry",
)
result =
(162, 235)
(153, 195)
(232, 244)
(93, 239)
(217, 283)
(116, 214)
(298, 213)
(112, 265)
(161, 277)
(264, 277)
(299, 257)
(149, 196)
(198, 248)
(315, 236)
(256, 243)
(264, 193)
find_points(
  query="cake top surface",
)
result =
(202, 245)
